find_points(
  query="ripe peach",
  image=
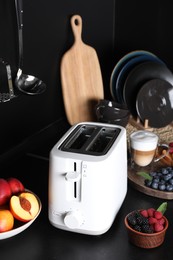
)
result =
(5, 191)
(6, 220)
(16, 186)
(24, 207)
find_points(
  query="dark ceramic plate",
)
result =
(126, 70)
(120, 65)
(155, 103)
(139, 76)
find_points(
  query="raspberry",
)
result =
(158, 214)
(171, 144)
(152, 220)
(161, 221)
(151, 212)
(158, 227)
(171, 150)
(144, 213)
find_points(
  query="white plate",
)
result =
(23, 226)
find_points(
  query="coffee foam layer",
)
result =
(143, 140)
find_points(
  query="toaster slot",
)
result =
(75, 189)
(78, 138)
(103, 141)
(75, 183)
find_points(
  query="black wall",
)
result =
(112, 27)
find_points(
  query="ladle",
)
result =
(26, 83)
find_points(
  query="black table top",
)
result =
(43, 241)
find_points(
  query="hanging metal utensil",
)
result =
(26, 83)
(4, 97)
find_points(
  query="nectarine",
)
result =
(16, 186)
(5, 191)
(24, 207)
(6, 220)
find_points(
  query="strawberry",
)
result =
(158, 227)
(158, 214)
(151, 212)
(144, 213)
(152, 220)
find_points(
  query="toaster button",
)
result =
(73, 219)
(72, 176)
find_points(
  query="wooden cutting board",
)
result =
(81, 78)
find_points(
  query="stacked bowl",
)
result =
(144, 84)
(111, 112)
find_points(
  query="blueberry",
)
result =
(155, 185)
(152, 174)
(164, 170)
(162, 187)
(156, 179)
(162, 181)
(171, 171)
(171, 181)
(169, 168)
(159, 174)
(148, 183)
(167, 177)
(169, 187)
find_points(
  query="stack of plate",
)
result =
(144, 83)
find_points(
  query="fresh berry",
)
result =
(161, 221)
(158, 214)
(137, 228)
(171, 150)
(161, 179)
(132, 219)
(162, 187)
(152, 220)
(171, 144)
(144, 213)
(158, 227)
(147, 229)
(151, 212)
(148, 220)
(169, 187)
(140, 220)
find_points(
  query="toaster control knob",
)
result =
(73, 219)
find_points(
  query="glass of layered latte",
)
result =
(143, 146)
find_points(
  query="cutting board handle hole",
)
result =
(76, 21)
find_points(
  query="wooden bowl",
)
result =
(145, 240)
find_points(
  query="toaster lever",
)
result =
(72, 176)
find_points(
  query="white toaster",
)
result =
(88, 178)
